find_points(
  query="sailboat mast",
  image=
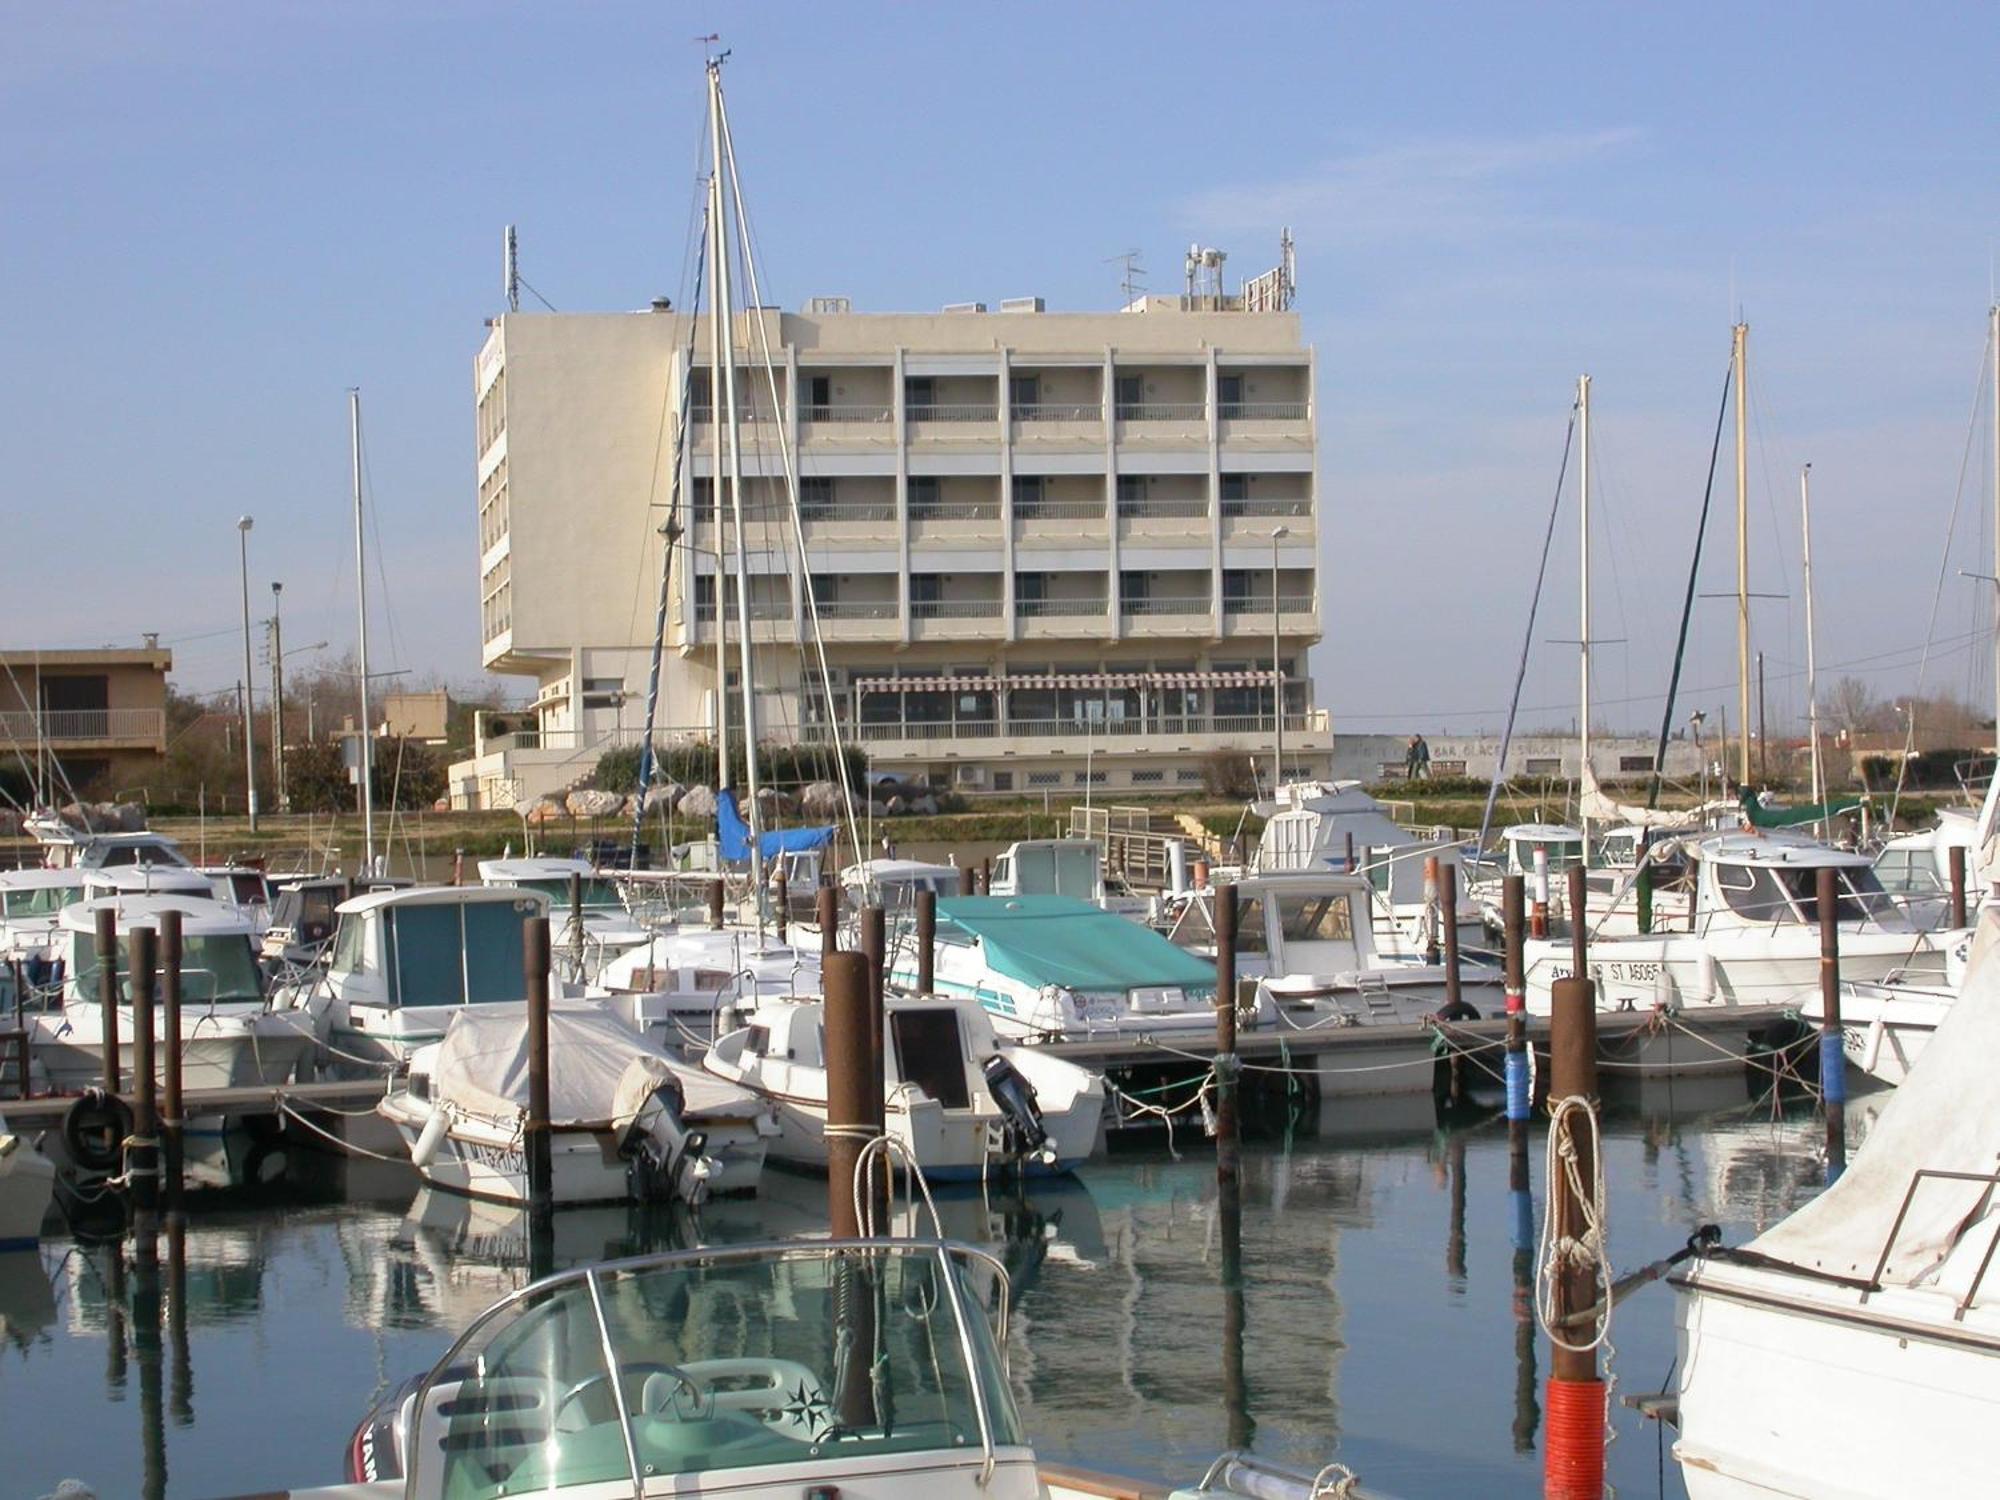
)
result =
(1993, 346)
(717, 312)
(1812, 670)
(723, 318)
(1740, 358)
(1583, 774)
(366, 742)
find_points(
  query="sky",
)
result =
(218, 217)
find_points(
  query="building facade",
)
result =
(1042, 551)
(94, 720)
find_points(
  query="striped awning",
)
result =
(1076, 681)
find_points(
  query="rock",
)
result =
(663, 794)
(821, 799)
(587, 803)
(548, 810)
(925, 806)
(696, 802)
(774, 803)
(131, 816)
(896, 804)
(877, 808)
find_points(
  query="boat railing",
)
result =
(1989, 1180)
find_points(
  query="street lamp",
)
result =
(243, 525)
(1278, 534)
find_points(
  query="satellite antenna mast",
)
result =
(513, 271)
(1134, 280)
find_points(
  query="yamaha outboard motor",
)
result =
(1020, 1113)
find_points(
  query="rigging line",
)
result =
(746, 237)
(1687, 604)
(1944, 561)
(38, 781)
(1528, 637)
(532, 292)
(381, 571)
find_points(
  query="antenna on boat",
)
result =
(511, 262)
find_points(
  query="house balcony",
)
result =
(856, 427)
(955, 619)
(861, 620)
(1152, 614)
(1058, 426)
(88, 728)
(952, 424)
(994, 738)
(1283, 424)
(1298, 614)
(771, 622)
(1046, 619)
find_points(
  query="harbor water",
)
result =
(1387, 1319)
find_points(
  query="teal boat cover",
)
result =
(1062, 941)
(1762, 815)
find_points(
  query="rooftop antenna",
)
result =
(513, 271)
(1134, 280)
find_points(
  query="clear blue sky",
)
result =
(219, 216)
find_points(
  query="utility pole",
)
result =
(243, 525)
(1740, 357)
(278, 795)
(1763, 735)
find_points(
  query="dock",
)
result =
(43, 1110)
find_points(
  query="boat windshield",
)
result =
(1563, 853)
(1859, 896)
(217, 968)
(1057, 869)
(44, 901)
(1908, 872)
(456, 952)
(1753, 891)
(708, 1361)
(598, 894)
(1316, 919)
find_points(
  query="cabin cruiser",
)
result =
(963, 1103)
(1752, 938)
(1886, 1024)
(64, 847)
(31, 901)
(680, 987)
(243, 886)
(1059, 968)
(893, 884)
(1317, 826)
(1063, 867)
(27, 1178)
(1853, 1349)
(230, 1034)
(626, 1121)
(608, 928)
(404, 962)
(1308, 942)
(305, 913)
(1915, 868)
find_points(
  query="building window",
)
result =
(1229, 394)
(1188, 776)
(1635, 763)
(1544, 765)
(1029, 492)
(1148, 778)
(815, 497)
(1003, 781)
(819, 396)
(1130, 393)
(1090, 778)
(923, 496)
(1024, 390)
(1045, 778)
(919, 391)
(1235, 487)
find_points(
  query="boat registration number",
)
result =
(1620, 971)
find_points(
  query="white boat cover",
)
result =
(599, 1073)
(1945, 1117)
(1595, 805)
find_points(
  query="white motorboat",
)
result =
(1752, 938)
(626, 1120)
(27, 1178)
(1072, 867)
(1915, 868)
(31, 901)
(231, 1036)
(306, 910)
(687, 976)
(963, 1103)
(1059, 968)
(404, 962)
(1886, 1025)
(64, 847)
(1853, 1349)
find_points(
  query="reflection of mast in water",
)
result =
(146, 1345)
(1521, 1203)
(180, 1391)
(1241, 1429)
(1454, 1245)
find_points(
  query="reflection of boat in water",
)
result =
(27, 1299)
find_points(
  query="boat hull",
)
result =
(26, 1180)
(226, 1051)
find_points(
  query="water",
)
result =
(1383, 1319)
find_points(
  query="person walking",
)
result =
(1422, 754)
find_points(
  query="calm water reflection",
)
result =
(1386, 1314)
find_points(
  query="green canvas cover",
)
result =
(1062, 941)
(1761, 816)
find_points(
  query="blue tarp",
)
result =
(734, 834)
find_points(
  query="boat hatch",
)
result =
(930, 1054)
(721, 1360)
(456, 953)
(599, 894)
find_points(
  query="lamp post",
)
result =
(278, 702)
(1278, 534)
(243, 525)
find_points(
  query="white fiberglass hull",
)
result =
(950, 1145)
(1885, 1028)
(1736, 966)
(26, 1180)
(219, 1050)
(1794, 1388)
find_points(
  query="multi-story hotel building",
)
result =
(1046, 549)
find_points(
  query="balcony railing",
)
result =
(858, 609)
(841, 510)
(955, 609)
(967, 411)
(1265, 411)
(955, 510)
(1155, 725)
(1059, 510)
(1058, 411)
(1290, 604)
(1162, 411)
(1171, 604)
(1049, 608)
(701, 416)
(760, 609)
(84, 724)
(1238, 509)
(816, 416)
(1192, 508)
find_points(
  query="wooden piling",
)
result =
(1454, 999)
(1431, 904)
(968, 880)
(142, 1162)
(180, 1391)
(715, 904)
(1832, 1043)
(1579, 923)
(1956, 856)
(107, 992)
(576, 917)
(851, 1100)
(826, 911)
(535, 1130)
(986, 876)
(1229, 1174)
(781, 900)
(926, 941)
(875, 948)
(1574, 1460)
(1226, 1148)
(172, 1120)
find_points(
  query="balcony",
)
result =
(960, 413)
(1265, 411)
(1173, 604)
(1163, 411)
(1165, 732)
(1041, 609)
(102, 727)
(866, 415)
(860, 619)
(1036, 412)
(955, 619)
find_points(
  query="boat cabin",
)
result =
(305, 913)
(65, 848)
(37, 895)
(550, 876)
(242, 885)
(218, 952)
(1755, 880)
(1520, 843)
(433, 945)
(1294, 923)
(1049, 867)
(149, 880)
(893, 883)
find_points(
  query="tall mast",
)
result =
(1740, 357)
(721, 310)
(718, 310)
(1812, 673)
(367, 743)
(1583, 634)
(1993, 347)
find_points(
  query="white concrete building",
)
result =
(1046, 548)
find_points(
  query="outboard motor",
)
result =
(668, 1159)
(1020, 1113)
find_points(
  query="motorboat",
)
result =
(1853, 1349)
(1885, 1025)
(1061, 968)
(688, 978)
(244, 886)
(306, 911)
(608, 927)
(1530, 850)
(893, 884)
(1071, 867)
(1752, 936)
(404, 962)
(27, 1178)
(1915, 868)
(64, 847)
(964, 1104)
(31, 901)
(231, 1036)
(626, 1121)
(111, 881)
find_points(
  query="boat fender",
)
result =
(1877, 1028)
(430, 1137)
(1020, 1110)
(1704, 978)
(95, 1129)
